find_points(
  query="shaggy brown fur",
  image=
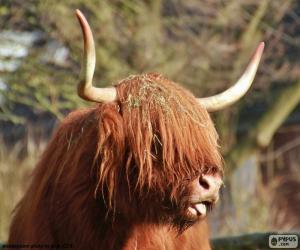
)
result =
(118, 174)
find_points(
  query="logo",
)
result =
(283, 241)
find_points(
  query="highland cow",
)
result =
(140, 170)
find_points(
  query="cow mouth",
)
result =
(200, 209)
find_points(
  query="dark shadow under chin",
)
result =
(182, 223)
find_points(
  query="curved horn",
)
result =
(238, 90)
(85, 88)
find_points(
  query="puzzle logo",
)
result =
(283, 241)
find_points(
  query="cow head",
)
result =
(157, 156)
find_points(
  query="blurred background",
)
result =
(203, 45)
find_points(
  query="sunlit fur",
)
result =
(118, 174)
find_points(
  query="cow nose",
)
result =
(210, 186)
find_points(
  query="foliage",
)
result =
(14, 176)
(188, 42)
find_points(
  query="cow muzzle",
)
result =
(205, 193)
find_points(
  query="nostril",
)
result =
(203, 183)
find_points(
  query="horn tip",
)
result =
(83, 23)
(261, 47)
(258, 52)
(79, 15)
(78, 12)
